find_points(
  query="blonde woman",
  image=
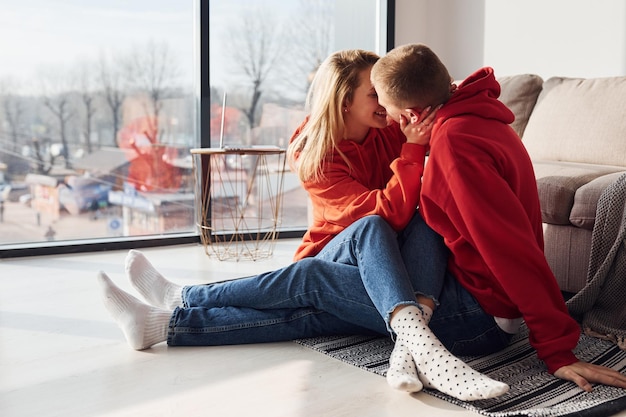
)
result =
(368, 264)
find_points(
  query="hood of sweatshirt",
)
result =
(477, 95)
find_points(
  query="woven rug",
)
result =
(534, 392)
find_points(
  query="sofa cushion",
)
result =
(519, 93)
(579, 120)
(557, 183)
(586, 200)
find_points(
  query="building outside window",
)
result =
(101, 102)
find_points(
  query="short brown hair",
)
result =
(412, 76)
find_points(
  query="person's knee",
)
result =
(374, 222)
(307, 263)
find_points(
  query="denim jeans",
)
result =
(461, 324)
(350, 287)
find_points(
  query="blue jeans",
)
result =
(350, 287)
(461, 324)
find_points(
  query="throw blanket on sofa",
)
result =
(601, 305)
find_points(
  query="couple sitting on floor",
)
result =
(456, 277)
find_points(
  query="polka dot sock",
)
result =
(402, 373)
(152, 286)
(437, 368)
(142, 325)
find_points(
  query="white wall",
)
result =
(574, 38)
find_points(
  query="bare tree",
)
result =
(56, 91)
(42, 166)
(85, 76)
(152, 69)
(255, 46)
(111, 82)
(308, 38)
(13, 112)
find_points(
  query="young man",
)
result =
(479, 192)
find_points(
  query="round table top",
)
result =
(242, 150)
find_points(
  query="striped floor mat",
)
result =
(533, 391)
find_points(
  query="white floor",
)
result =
(61, 354)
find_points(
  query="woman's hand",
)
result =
(417, 127)
(584, 374)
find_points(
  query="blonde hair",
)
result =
(412, 76)
(332, 88)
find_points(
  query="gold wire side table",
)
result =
(238, 193)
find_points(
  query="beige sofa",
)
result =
(575, 132)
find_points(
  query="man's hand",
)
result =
(584, 374)
(418, 126)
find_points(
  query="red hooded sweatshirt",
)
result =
(383, 178)
(479, 192)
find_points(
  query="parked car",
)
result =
(16, 191)
(80, 194)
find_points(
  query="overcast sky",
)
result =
(36, 34)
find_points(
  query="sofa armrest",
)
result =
(586, 200)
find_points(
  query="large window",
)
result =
(97, 114)
(263, 56)
(101, 102)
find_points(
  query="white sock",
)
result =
(143, 325)
(152, 286)
(402, 373)
(437, 368)
(427, 313)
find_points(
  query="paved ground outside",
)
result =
(21, 224)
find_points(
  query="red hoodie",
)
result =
(383, 178)
(479, 192)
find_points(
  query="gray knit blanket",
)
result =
(601, 305)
